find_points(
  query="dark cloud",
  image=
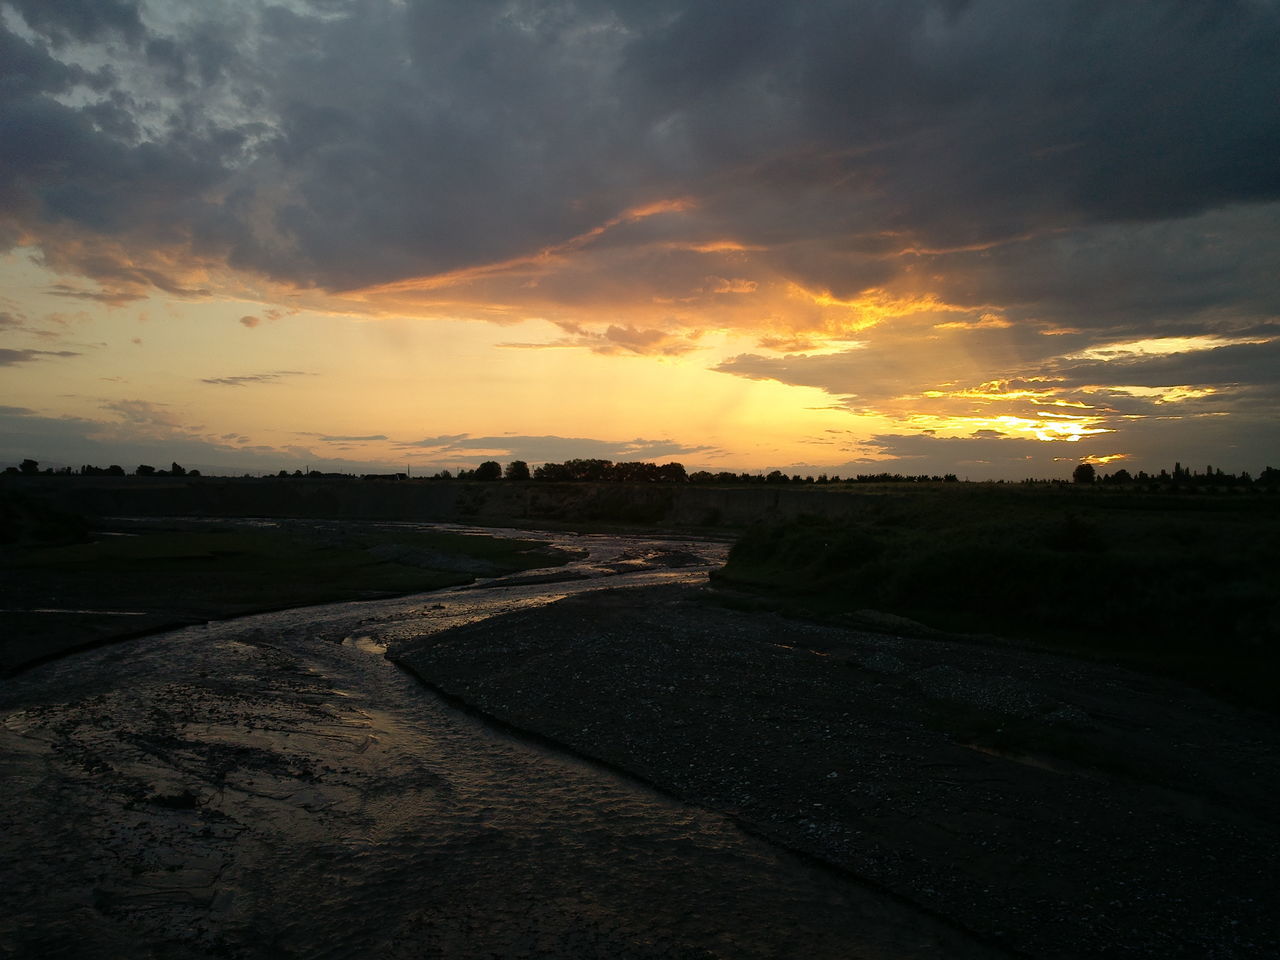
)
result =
(9, 358)
(1241, 364)
(243, 381)
(360, 143)
(1231, 446)
(376, 436)
(83, 20)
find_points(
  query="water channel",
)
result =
(272, 786)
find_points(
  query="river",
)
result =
(272, 786)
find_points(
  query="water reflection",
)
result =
(272, 786)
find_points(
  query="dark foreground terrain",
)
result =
(1052, 806)
(626, 763)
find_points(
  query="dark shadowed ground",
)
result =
(1060, 807)
(626, 764)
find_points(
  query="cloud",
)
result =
(976, 192)
(617, 340)
(460, 448)
(839, 148)
(144, 413)
(268, 316)
(274, 376)
(731, 285)
(85, 20)
(365, 439)
(138, 431)
(9, 358)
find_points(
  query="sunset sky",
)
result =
(988, 237)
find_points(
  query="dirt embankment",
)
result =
(1056, 807)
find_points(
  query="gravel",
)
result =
(1057, 807)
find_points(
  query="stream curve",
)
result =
(272, 786)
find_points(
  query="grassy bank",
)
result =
(1184, 585)
(138, 576)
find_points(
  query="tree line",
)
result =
(606, 471)
(31, 468)
(1087, 473)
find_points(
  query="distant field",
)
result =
(142, 575)
(1187, 585)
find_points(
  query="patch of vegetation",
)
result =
(26, 519)
(233, 567)
(191, 571)
(1166, 584)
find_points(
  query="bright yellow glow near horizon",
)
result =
(190, 368)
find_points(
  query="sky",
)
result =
(986, 237)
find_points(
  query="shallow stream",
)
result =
(272, 786)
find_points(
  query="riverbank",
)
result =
(1051, 806)
(130, 578)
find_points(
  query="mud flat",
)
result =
(1057, 807)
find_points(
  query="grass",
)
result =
(204, 572)
(1187, 586)
(264, 566)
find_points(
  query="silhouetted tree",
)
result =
(489, 470)
(672, 473)
(516, 470)
(1083, 473)
(552, 471)
(589, 469)
(177, 471)
(29, 467)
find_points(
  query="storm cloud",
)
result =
(344, 144)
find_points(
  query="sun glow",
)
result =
(1048, 427)
(1162, 394)
(1161, 347)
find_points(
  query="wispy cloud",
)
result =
(274, 376)
(550, 448)
(615, 340)
(9, 358)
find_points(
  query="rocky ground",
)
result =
(1051, 806)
